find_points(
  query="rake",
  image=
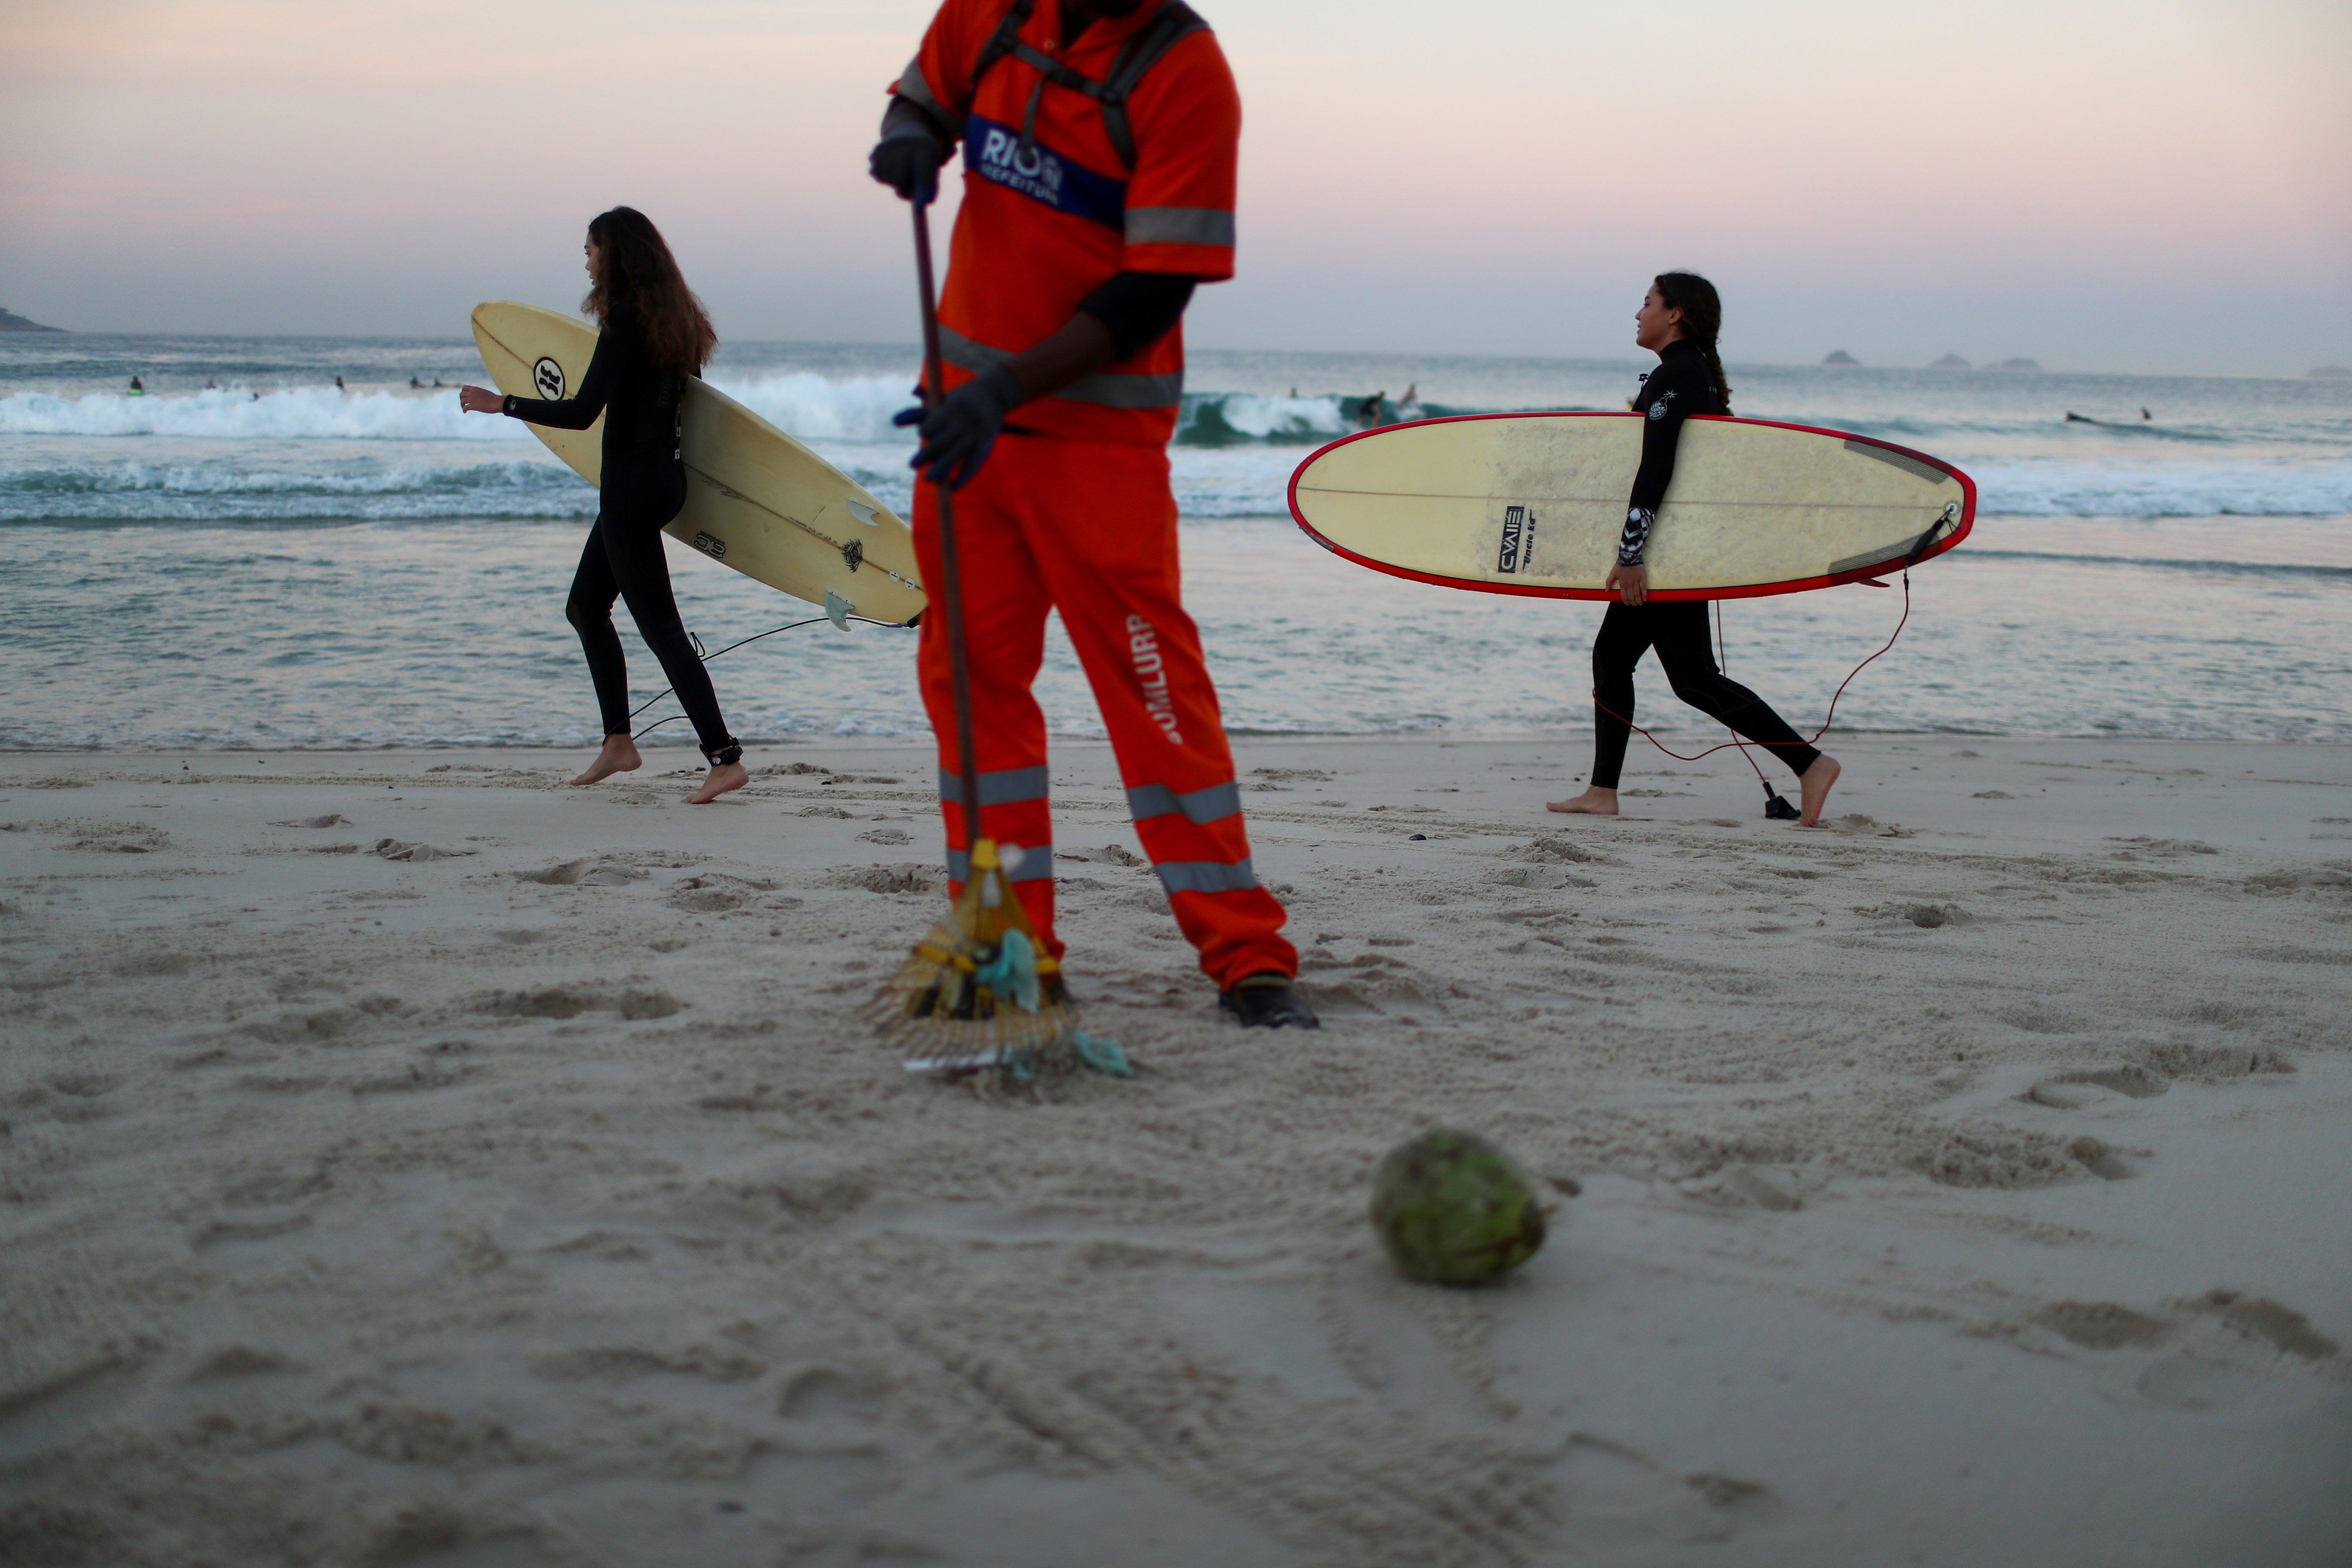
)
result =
(979, 995)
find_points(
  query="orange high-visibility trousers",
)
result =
(1089, 529)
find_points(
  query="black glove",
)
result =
(958, 433)
(909, 156)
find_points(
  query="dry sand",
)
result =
(1966, 1185)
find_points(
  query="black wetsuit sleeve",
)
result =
(606, 368)
(1138, 307)
(1677, 389)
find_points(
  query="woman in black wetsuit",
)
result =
(655, 334)
(1678, 322)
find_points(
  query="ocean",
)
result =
(248, 557)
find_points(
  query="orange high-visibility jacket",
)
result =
(1051, 216)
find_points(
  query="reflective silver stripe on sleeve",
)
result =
(1110, 388)
(1213, 804)
(1206, 876)
(1002, 788)
(913, 87)
(1178, 226)
(1036, 863)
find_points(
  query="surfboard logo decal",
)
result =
(714, 548)
(548, 377)
(1515, 530)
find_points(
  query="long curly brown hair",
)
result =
(1702, 310)
(635, 267)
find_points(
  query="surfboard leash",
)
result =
(1742, 742)
(730, 647)
(1775, 807)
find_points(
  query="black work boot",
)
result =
(1268, 1001)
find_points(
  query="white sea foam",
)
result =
(1233, 456)
(137, 491)
(821, 408)
(811, 406)
(2250, 489)
(1209, 415)
(238, 414)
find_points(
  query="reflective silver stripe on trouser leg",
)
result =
(1006, 787)
(1206, 876)
(1110, 388)
(1213, 804)
(1002, 787)
(1037, 864)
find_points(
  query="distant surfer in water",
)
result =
(137, 390)
(655, 334)
(1678, 321)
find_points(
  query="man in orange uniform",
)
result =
(1099, 141)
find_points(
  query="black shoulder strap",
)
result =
(1175, 21)
(1005, 39)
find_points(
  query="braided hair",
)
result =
(1702, 310)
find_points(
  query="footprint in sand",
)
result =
(903, 878)
(2259, 1318)
(584, 873)
(714, 891)
(398, 849)
(570, 1001)
(2102, 1325)
(2073, 1090)
(1929, 917)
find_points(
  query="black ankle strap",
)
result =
(721, 756)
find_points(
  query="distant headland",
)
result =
(12, 323)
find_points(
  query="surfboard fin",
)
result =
(837, 609)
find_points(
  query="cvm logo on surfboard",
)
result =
(548, 377)
(1515, 538)
(713, 547)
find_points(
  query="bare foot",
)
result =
(619, 756)
(1814, 789)
(1595, 802)
(724, 777)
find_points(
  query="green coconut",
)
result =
(1453, 1209)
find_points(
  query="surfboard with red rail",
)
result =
(1534, 504)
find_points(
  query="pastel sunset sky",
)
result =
(2150, 186)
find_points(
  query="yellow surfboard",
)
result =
(756, 499)
(1533, 503)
